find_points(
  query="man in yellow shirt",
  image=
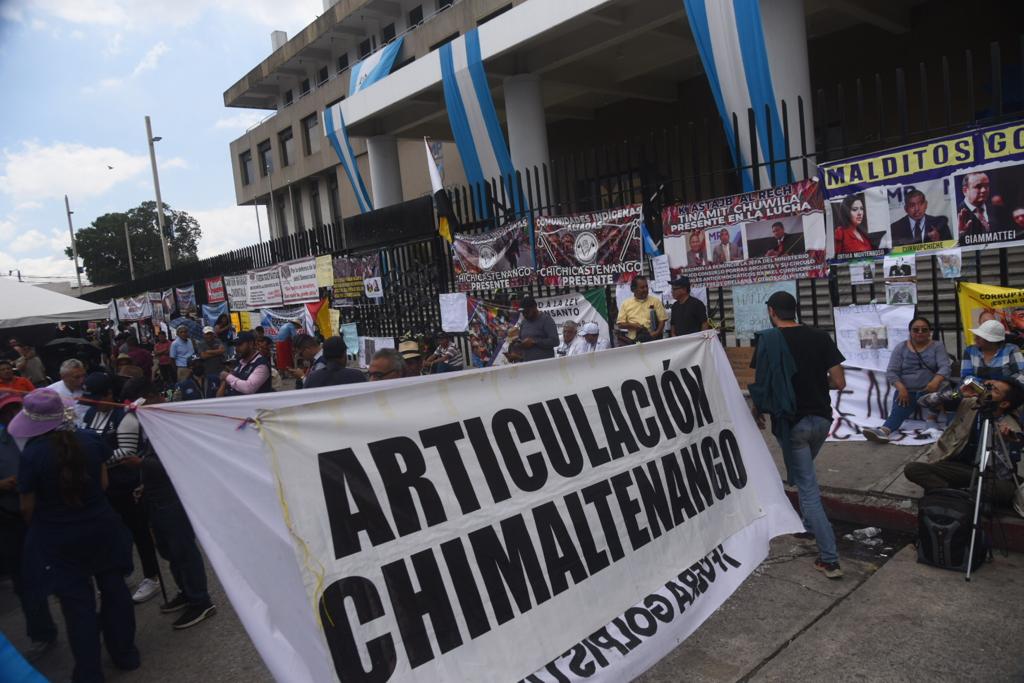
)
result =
(635, 315)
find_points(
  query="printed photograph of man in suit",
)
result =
(918, 226)
(775, 238)
(726, 249)
(976, 214)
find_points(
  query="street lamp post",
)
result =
(74, 243)
(159, 203)
(128, 243)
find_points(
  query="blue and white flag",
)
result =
(473, 119)
(730, 38)
(366, 72)
(334, 127)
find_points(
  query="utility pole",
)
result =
(159, 203)
(128, 243)
(259, 230)
(74, 243)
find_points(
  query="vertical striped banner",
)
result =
(334, 127)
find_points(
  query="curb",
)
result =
(900, 514)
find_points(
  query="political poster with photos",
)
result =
(980, 303)
(868, 334)
(963, 190)
(765, 236)
(589, 249)
(497, 259)
(349, 275)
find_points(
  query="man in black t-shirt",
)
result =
(689, 314)
(818, 365)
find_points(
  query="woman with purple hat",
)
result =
(74, 536)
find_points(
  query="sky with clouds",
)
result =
(80, 76)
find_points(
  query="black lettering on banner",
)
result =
(682, 596)
(732, 458)
(560, 554)
(630, 508)
(706, 568)
(445, 439)
(695, 385)
(597, 495)
(595, 651)
(714, 468)
(488, 461)
(552, 446)
(641, 622)
(502, 424)
(413, 606)
(700, 487)
(359, 592)
(511, 566)
(616, 431)
(558, 675)
(596, 559)
(691, 581)
(572, 464)
(676, 486)
(465, 587)
(652, 493)
(659, 406)
(399, 484)
(634, 397)
(660, 607)
(598, 455)
(678, 401)
(342, 474)
(578, 664)
(605, 640)
(631, 640)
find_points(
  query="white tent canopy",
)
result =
(22, 304)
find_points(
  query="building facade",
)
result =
(565, 76)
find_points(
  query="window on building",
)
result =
(289, 97)
(416, 16)
(488, 17)
(387, 34)
(365, 48)
(443, 4)
(335, 198)
(311, 134)
(321, 76)
(245, 166)
(296, 202)
(342, 62)
(286, 146)
(266, 161)
(444, 41)
(281, 217)
(314, 205)
(304, 87)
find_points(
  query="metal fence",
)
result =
(687, 162)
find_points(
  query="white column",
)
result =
(527, 129)
(785, 38)
(385, 173)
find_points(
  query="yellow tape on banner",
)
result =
(1004, 141)
(979, 303)
(927, 156)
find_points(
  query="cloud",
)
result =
(53, 266)
(34, 240)
(174, 162)
(150, 60)
(131, 14)
(38, 171)
(114, 45)
(242, 120)
(228, 228)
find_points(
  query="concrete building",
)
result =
(565, 75)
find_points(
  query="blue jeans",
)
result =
(806, 438)
(898, 413)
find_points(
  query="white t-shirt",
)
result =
(62, 389)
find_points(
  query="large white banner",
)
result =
(133, 308)
(237, 288)
(298, 281)
(264, 287)
(866, 402)
(867, 335)
(505, 517)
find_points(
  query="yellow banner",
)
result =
(892, 165)
(979, 303)
(1004, 141)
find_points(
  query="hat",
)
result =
(245, 337)
(782, 302)
(410, 349)
(990, 330)
(591, 328)
(97, 384)
(682, 281)
(8, 397)
(123, 356)
(208, 330)
(334, 347)
(41, 411)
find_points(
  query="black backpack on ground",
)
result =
(944, 530)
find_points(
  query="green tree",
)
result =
(103, 251)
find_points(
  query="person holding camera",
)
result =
(949, 462)
(918, 366)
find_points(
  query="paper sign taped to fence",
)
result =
(867, 335)
(298, 281)
(214, 290)
(483, 537)
(264, 287)
(324, 271)
(237, 289)
(589, 249)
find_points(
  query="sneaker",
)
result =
(147, 590)
(804, 536)
(38, 648)
(830, 569)
(880, 435)
(175, 604)
(193, 615)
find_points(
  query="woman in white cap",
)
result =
(74, 536)
(991, 356)
(591, 340)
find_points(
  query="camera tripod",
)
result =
(990, 444)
